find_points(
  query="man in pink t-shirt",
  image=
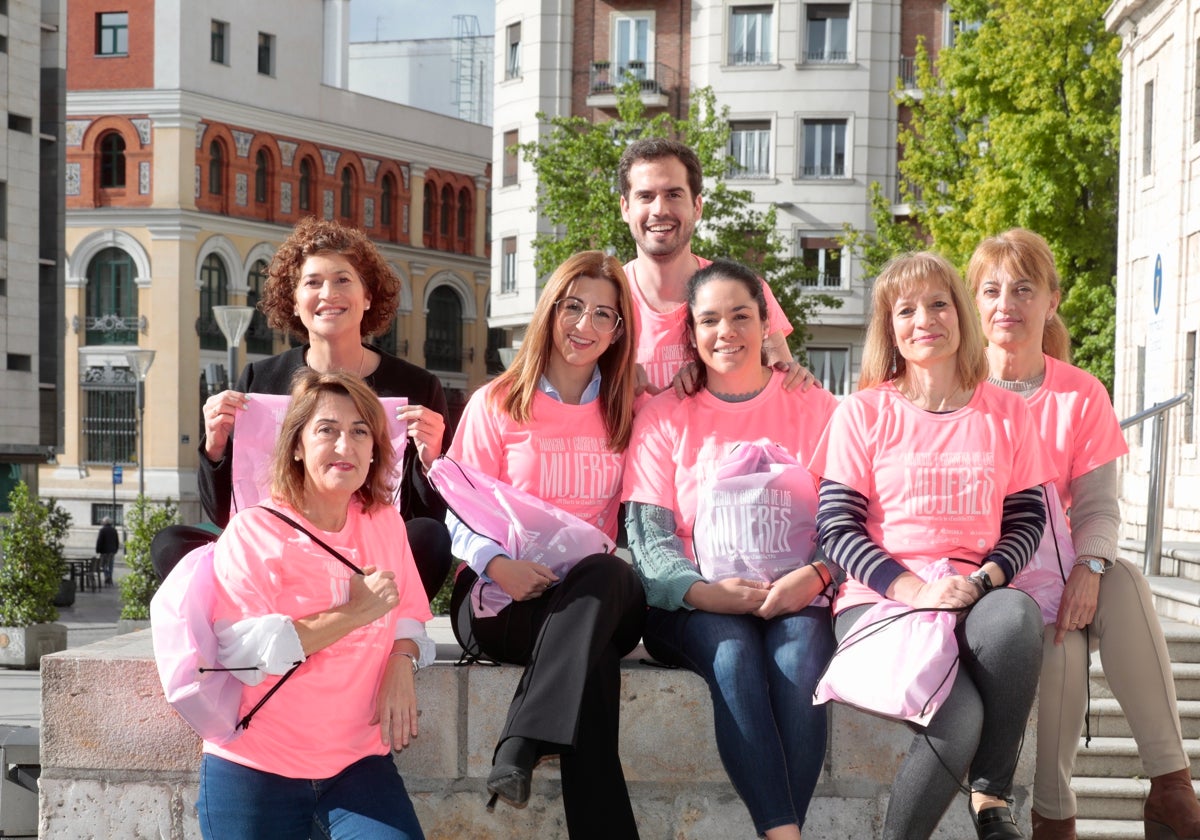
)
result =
(660, 182)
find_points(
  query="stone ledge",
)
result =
(114, 754)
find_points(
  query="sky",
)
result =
(393, 20)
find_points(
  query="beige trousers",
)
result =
(1127, 632)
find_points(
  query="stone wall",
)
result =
(117, 762)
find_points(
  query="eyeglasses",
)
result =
(571, 311)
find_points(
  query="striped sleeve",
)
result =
(1021, 526)
(842, 533)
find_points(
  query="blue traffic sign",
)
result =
(118, 473)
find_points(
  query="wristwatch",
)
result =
(983, 580)
(1094, 564)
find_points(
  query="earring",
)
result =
(895, 354)
(295, 457)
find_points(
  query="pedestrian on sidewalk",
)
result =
(107, 544)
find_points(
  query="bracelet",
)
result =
(824, 574)
(416, 667)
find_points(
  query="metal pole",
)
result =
(141, 406)
(232, 375)
(114, 486)
(1152, 559)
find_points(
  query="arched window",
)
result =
(464, 216)
(259, 336)
(306, 184)
(112, 160)
(447, 209)
(109, 424)
(112, 306)
(443, 330)
(427, 220)
(347, 202)
(387, 198)
(216, 167)
(261, 176)
(214, 291)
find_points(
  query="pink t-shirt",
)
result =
(935, 483)
(318, 723)
(1076, 420)
(561, 455)
(678, 444)
(662, 340)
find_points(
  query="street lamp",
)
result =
(233, 321)
(139, 363)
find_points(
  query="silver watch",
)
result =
(1094, 565)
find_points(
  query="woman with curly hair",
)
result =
(329, 286)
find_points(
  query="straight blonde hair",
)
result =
(1024, 254)
(902, 275)
(514, 390)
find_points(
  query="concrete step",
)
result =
(1108, 721)
(1176, 598)
(1112, 799)
(1118, 758)
(1109, 829)
(1183, 640)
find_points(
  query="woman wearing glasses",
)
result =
(556, 425)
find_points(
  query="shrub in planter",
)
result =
(144, 520)
(33, 560)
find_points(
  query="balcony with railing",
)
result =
(605, 77)
(826, 56)
(110, 329)
(908, 72)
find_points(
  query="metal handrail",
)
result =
(1152, 557)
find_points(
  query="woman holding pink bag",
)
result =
(1106, 601)
(753, 623)
(928, 461)
(556, 425)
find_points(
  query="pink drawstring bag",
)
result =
(756, 517)
(1045, 575)
(896, 661)
(526, 527)
(185, 649)
(258, 426)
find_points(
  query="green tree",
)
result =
(33, 561)
(1017, 125)
(576, 165)
(138, 587)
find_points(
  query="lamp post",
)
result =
(233, 321)
(139, 363)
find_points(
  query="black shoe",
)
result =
(995, 823)
(512, 772)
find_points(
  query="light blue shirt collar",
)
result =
(590, 393)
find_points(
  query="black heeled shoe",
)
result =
(512, 772)
(995, 823)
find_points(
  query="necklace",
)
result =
(361, 358)
(744, 396)
(953, 401)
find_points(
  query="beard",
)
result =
(653, 245)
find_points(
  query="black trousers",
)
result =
(430, 543)
(570, 641)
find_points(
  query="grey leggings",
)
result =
(977, 732)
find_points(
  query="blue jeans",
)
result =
(366, 801)
(761, 675)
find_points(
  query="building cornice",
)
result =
(183, 109)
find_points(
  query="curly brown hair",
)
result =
(313, 236)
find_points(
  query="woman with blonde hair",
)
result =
(1106, 602)
(556, 425)
(926, 462)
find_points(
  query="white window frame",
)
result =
(619, 64)
(750, 139)
(764, 49)
(508, 266)
(803, 143)
(823, 361)
(512, 51)
(827, 55)
(838, 277)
